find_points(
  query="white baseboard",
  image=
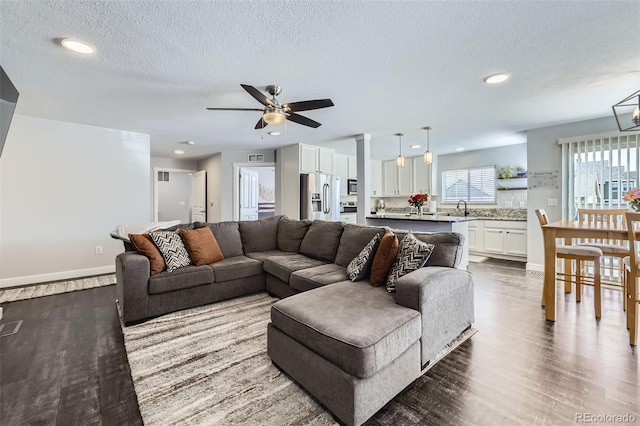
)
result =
(536, 267)
(55, 276)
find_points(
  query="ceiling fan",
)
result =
(276, 113)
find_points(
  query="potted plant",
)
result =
(505, 172)
(520, 171)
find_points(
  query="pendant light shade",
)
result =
(630, 104)
(428, 155)
(400, 158)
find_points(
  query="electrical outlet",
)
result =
(552, 202)
(508, 204)
(523, 204)
(98, 249)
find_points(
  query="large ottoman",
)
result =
(349, 344)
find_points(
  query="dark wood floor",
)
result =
(67, 364)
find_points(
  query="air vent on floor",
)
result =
(10, 328)
(256, 158)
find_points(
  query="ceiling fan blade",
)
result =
(309, 105)
(258, 95)
(296, 118)
(234, 109)
(261, 124)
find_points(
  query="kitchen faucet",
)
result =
(466, 212)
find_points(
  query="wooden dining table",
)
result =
(569, 229)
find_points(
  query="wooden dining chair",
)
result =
(577, 255)
(616, 249)
(632, 273)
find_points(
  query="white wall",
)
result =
(174, 163)
(214, 194)
(544, 154)
(63, 188)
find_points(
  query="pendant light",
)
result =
(428, 155)
(630, 104)
(400, 158)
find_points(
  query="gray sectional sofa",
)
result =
(352, 346)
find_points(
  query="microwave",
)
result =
(352, 186)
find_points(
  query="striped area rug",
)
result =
(209, 366)
(57, 287)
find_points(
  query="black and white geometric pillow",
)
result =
(412, 255)
(360, 265)
(172, 248)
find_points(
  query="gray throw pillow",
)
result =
(172, 248)
(412, 254)
(291, 232)
(359, 267)
(322, 239)
(259, 235)
(228, 237)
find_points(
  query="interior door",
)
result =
(248, 194)
(199, 196)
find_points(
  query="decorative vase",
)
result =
(419, 212)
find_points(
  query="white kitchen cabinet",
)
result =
(348, 217)
(425, 177)
(341, 170)
(476, 235)
(376, 178)
(352, 168)
(503, 238)
(314, 159)
(397, 181)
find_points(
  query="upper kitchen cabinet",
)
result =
(352, 169)
(341, 170)
(425, 176)
(376, 177)
(397, 180)
(314, 159)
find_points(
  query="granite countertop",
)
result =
(424, 218)
(516, 215)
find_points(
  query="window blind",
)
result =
(474, 185)
(598, 170)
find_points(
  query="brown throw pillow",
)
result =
(145, 246)
(384, 258)
(201, 245)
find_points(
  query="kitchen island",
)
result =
(428, 223)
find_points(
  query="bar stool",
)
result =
(632, 268)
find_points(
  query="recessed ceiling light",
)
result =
(275, 133)
(496, 78)
(189, 142)
(178, 151)
(415, 146)
(77, 46)
(459, 149)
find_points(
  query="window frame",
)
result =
(491, 169)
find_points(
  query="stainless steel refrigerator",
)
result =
(319, 197)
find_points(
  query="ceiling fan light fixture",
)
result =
(274, 117)
(629, 104)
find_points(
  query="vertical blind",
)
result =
(598, 170)
(474, 185)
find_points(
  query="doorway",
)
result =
(179, 195)
(254, 191)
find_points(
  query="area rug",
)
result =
(56, 287)
(209, 365)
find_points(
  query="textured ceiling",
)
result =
(388, 66)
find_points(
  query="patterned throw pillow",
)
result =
(359, 267)
(412, 254)
(172, 248)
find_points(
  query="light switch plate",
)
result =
(552, 202)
